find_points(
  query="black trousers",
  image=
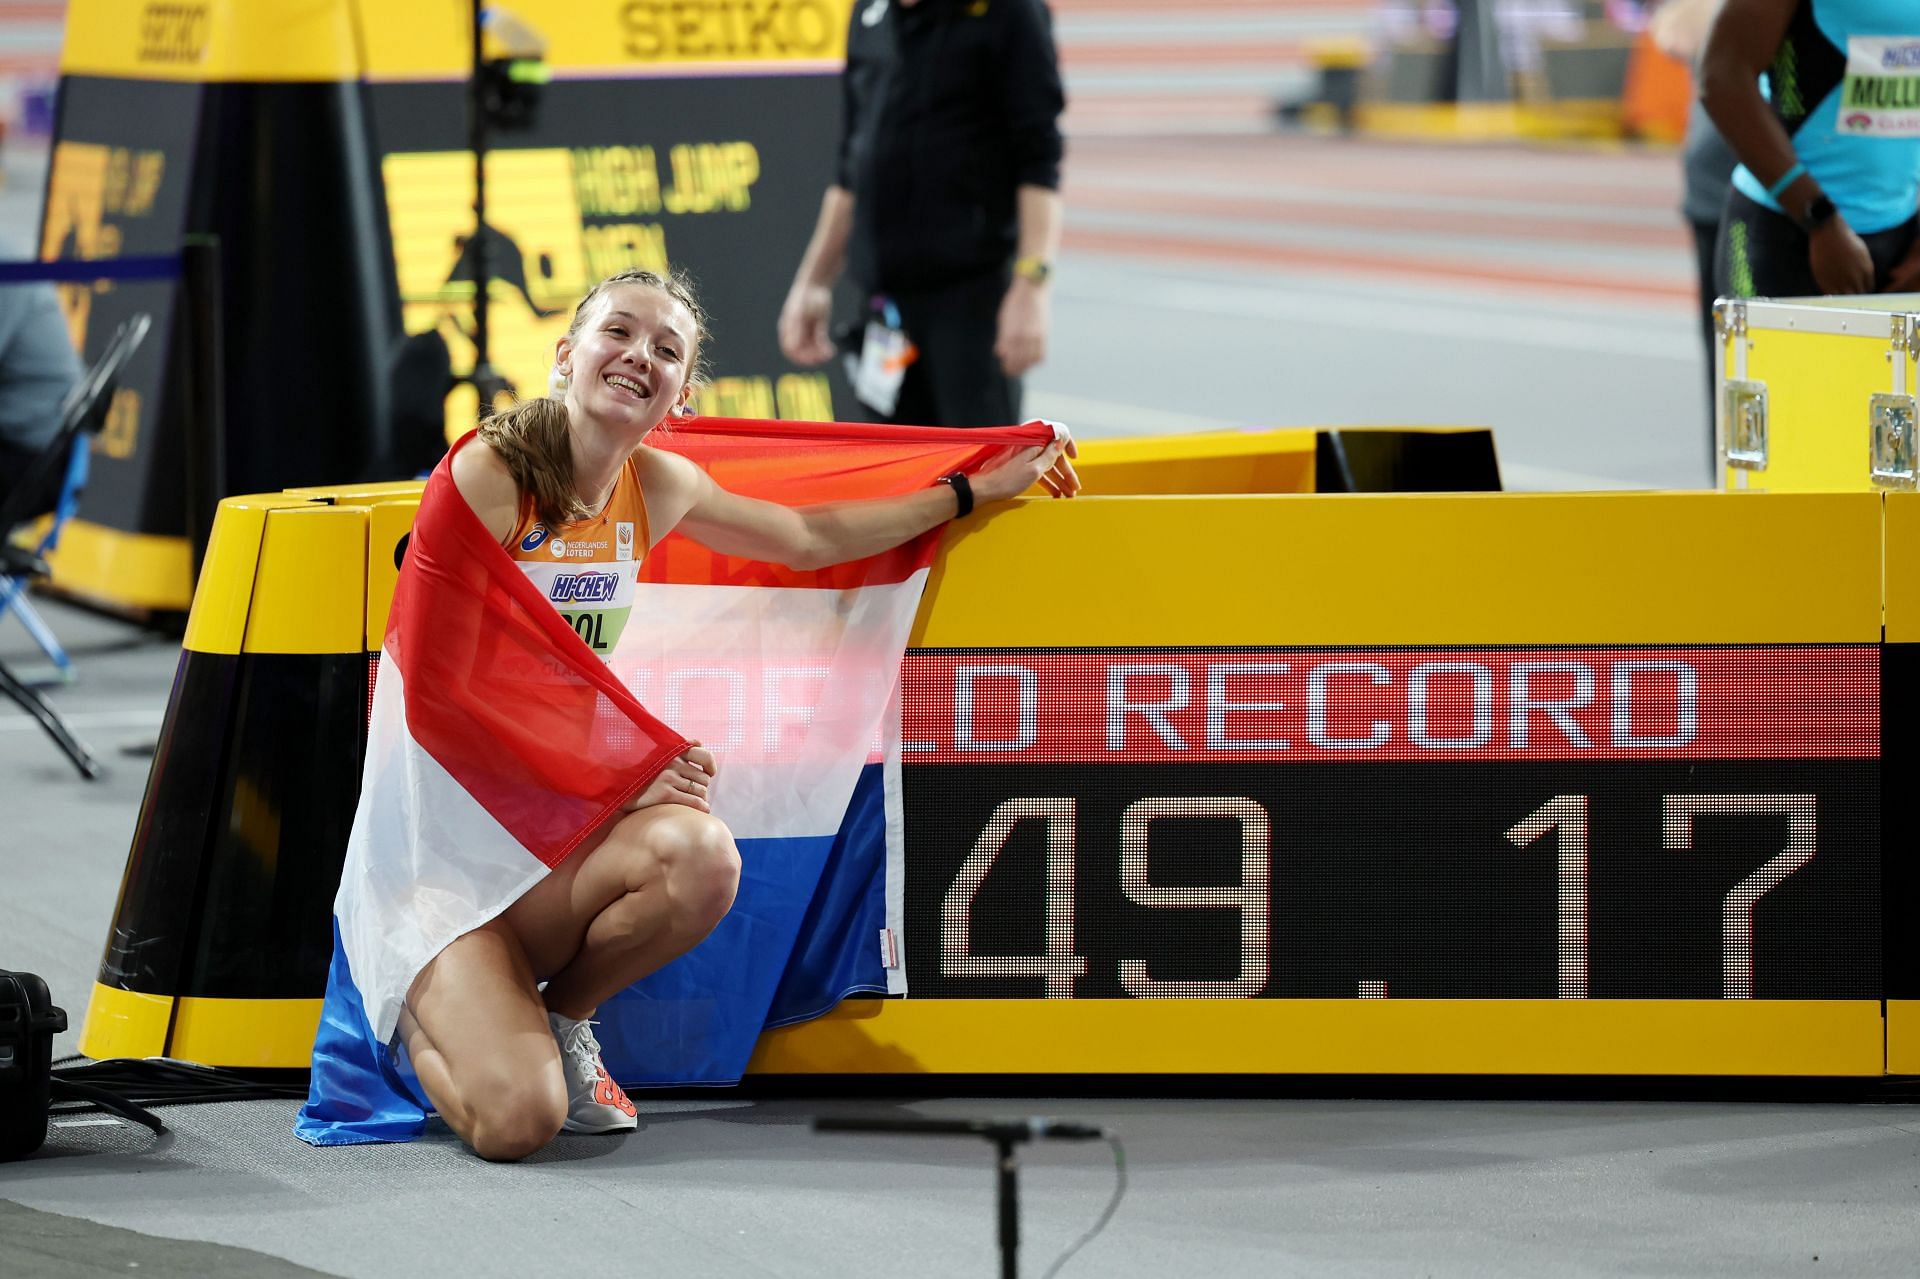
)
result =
(957, 380)
(1706, 237)
(1763, 254)
(14, 464)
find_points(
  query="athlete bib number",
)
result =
(1881, 96)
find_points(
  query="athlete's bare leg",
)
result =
(641, 893)
(477, 1035)
(651, 889)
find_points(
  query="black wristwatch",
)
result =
(1818, 214)
(962, 492)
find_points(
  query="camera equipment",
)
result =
(28, 1023)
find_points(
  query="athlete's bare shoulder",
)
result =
(482, 477)
(672, 485)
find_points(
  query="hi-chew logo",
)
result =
(535, 536)
(584, 588)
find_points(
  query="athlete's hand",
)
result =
(1839, 258)
(1020, 332)
(804, 318)
(684, 781)
(1048, 465)
(1905, 276)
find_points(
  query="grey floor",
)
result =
(1541, 293)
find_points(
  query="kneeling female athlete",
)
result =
(505, 1063)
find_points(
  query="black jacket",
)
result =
(949, 107)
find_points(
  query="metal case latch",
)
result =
(1744, 405)
(1729, 318)
(1891, 424)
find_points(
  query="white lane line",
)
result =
(1516, 478)
(1436, 321)
(1096, 419)
(22, 722)
(1254, 189)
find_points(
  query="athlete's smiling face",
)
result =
(629, 361)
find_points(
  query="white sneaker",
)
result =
(594, 1102)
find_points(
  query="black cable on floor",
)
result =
(1119, 1192)
(161, 1081)
(92, 1098)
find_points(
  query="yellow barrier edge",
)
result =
(1784, 1038)
(388, 523)
(1900, 560)
(246, 1033)
(218, 622)
(125, 1023)
(121, 569)
(214, 42)
(1335, 1037)
(1245, 445)
(1903, 1036)
(310, 584)
(1571, 119)
(1408, 569)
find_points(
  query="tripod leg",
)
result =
(1007, 1179)
(36, 706)
(43, 635)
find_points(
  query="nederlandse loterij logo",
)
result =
(558, 547)
(536, 535)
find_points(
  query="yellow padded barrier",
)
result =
(1278, 461)
(1814, 1038)
(212, 42)
(1501, 568)
(418, 41)
(1333, 1036)
(218, 622)
(1902, 556)
(1903, 1036)
(122, 569)
(310, 589)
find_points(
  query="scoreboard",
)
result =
(1526, 823)
(1413, 784)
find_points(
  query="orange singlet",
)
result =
(587, 569)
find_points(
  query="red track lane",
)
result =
(1200, 7)
(1396, 266)
(1524, 175)
(1574, 231)
(1163, 58)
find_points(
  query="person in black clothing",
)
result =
(945, 203)
(38, 366)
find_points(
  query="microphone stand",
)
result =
(1004, 1135)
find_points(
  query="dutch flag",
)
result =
(497, 741)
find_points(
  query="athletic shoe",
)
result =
(594, 1102)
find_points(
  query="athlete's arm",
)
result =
(1744, 39)
(680, 494)
(1026, 311)
(484, 481)
(803, 329)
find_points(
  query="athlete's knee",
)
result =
(703, 867)
(516, 1120)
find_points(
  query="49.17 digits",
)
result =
(1777, 834)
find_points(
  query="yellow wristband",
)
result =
(1034, 270)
